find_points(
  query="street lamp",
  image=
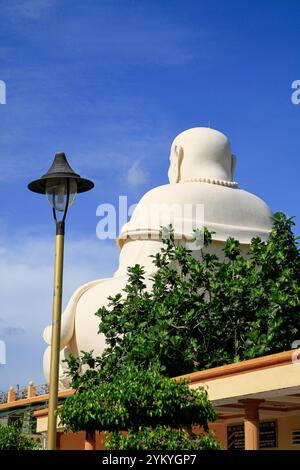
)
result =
(61, 185)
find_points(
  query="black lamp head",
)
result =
(60, 168)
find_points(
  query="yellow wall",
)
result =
(75, 441)
(41, 424)
(220, 432)
(71, 441)
(285, 427)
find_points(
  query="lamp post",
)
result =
(61, 185)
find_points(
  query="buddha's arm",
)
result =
(68, 316)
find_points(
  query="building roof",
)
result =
(274, 379)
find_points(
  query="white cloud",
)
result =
(136, 175)
(26, 273)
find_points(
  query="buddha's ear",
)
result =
(178, 157)
(233, 165)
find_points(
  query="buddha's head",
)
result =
(201, 154)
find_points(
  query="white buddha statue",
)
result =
(200, 175)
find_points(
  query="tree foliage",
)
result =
(11, 438)
(141, 401)
(206, 312)
(160, 438)
(199, 313)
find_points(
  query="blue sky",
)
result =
(111, 83)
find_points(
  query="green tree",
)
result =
(160, 438)
(201, 314)
(198, 314)
(11, 438)
(139, 401)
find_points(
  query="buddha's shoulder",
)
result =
(227, 211)
(203, 193)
